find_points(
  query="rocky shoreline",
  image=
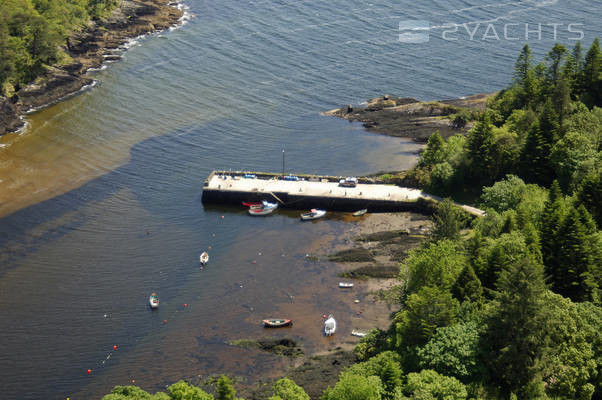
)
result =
(89, 48)
(411, 118)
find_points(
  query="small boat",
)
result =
(313, 214)
(204, 258)
(269, 205)
(360, 212)
(261, 211)
(348, 182)
(330, 326)
(252, 204)
(345, 285)
(153, 300)
(276, 323)
(358, 333)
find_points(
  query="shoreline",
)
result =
(314, 371)
(411, 118)
(90, 49)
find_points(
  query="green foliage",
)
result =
(184, 391)
(424, 312)
(286, 389)
(133, 393)
(505, 194)
(429, 385)
(434, 152)
(438, 264)
(371, 344)
(33, 32)
(448, 220)
(225, 389)
(355, 387)
(590, 195)
(453, 351)
(515, 331)
(386, 366)
(468, 286)
(481, 151)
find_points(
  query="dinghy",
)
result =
(276, 323)
(313, 214)
(204, 258)
(360, 212)
(261, 211)
(153, 301)
(330, 326)
(345, 285)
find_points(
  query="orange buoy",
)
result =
(89, 371)
(185, 305)
(254, 262)
(164, 321)
(222, 217)
(115, 347)
(324, 316)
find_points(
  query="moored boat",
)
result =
(153, 301)
(313, 214)
(360, 212)
(261, 211)
(252, 204)
(345, 285)
(330, 326)
(204, 258)
(276, 322)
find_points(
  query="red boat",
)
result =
(276, 323)
(252, 205)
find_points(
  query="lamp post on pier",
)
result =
(282, 163)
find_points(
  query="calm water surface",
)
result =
(102, 191)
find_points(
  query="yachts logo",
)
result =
(414, 31)
(511, 31)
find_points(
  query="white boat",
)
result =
(350, 181)
(345, 285)
(360, 212)
(313, 214)
(153, 301)
(269, 205)
(330, 326)
(261, 211)
(358, 333)
(204, 258)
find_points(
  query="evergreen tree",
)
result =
(468, 286)
(590, 195)
(591, 74)
(573, 70)
(481, 148)
(551, 221)
(523, 65)
(225, 389)
(434, 152)
(575, 276)
(535, 156)
(448, 219)
(555, 58)
(515, 334)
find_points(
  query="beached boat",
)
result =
(276, 323)
(204, 258)
(330, 326)
(153, 301)
(348, 182)
(345, 285)
(261, 211)
(313, 214)
(360, 212)
(358, 333)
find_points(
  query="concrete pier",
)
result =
(311, 191)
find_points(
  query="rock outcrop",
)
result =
(88, 48)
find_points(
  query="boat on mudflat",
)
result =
(153, 301)
(330, 326)
(313, 214)
(345, 285)
(276, 323)
(360, 212)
